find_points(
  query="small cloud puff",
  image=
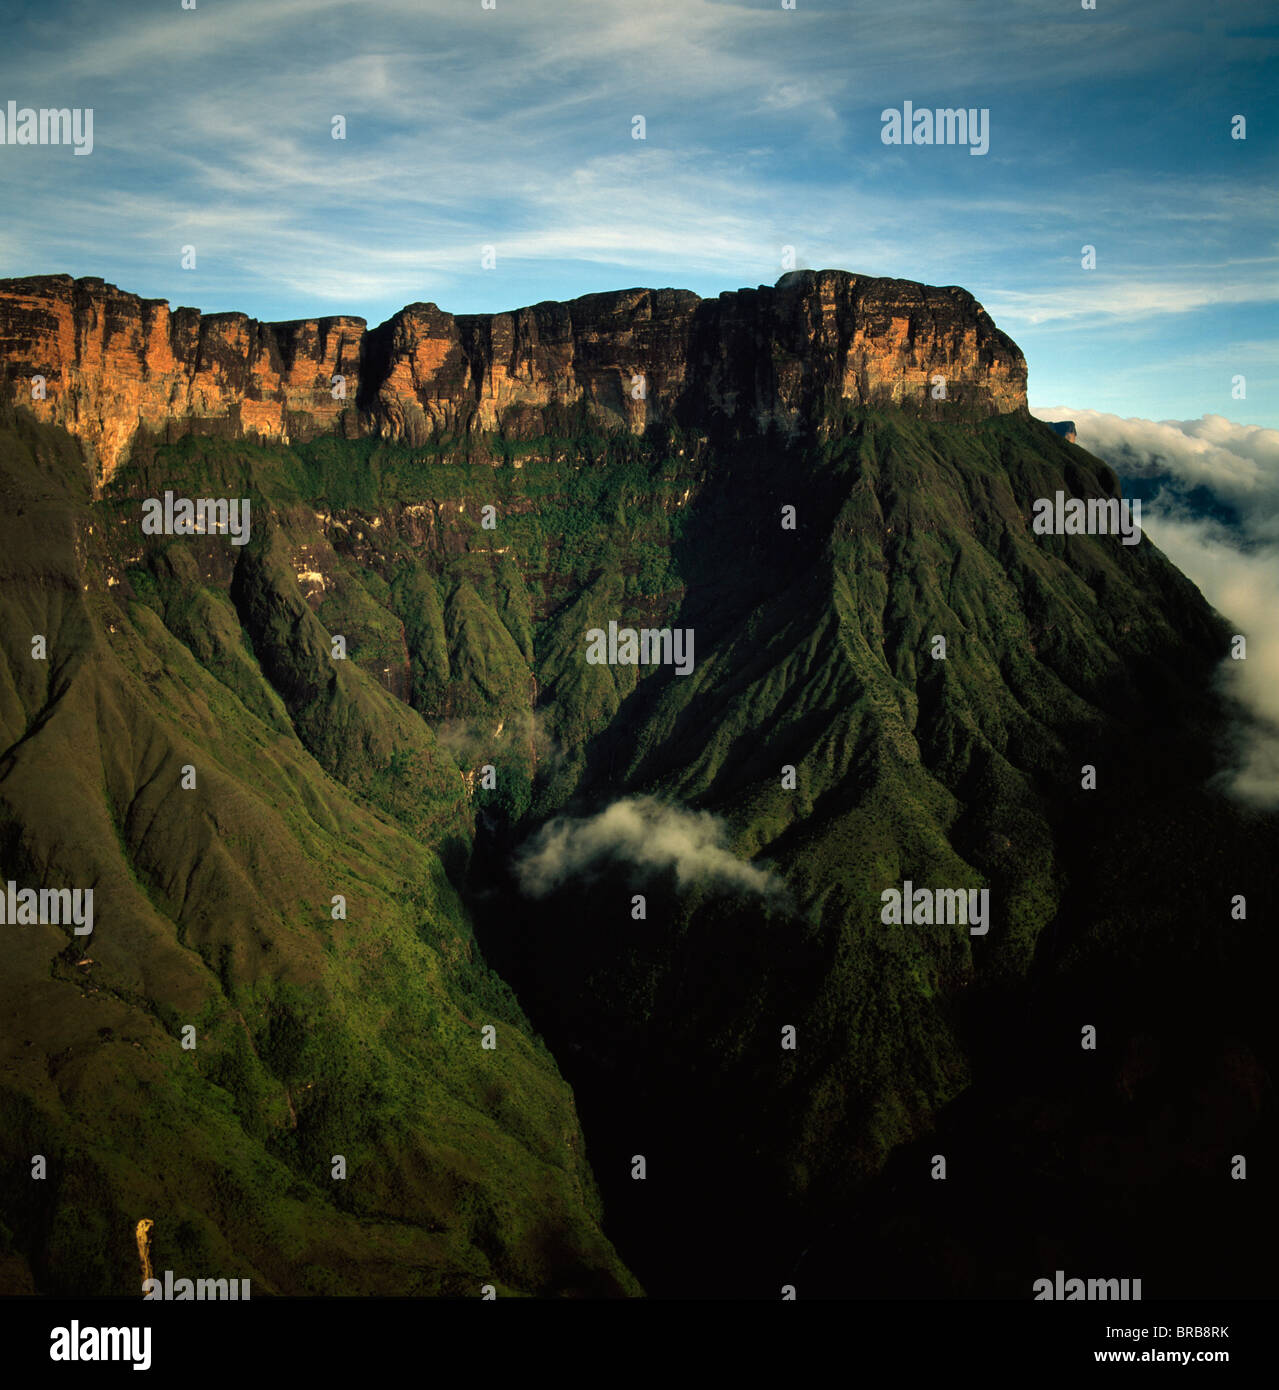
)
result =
(647, 833)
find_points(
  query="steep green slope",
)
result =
(964, 772)
(314, 1036)
(466, 634)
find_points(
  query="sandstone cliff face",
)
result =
(113, 364)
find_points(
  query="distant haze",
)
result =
(1215, 513)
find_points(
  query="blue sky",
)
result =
(512, 127)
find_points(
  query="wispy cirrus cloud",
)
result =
(512, 128)
(1131, 298)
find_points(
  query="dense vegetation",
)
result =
(465, 644)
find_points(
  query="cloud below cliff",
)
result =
(1215, 513)
(643, 832)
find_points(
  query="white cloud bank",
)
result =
(1233, 556)
(646, 833)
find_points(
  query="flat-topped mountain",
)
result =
(105, 364)
(309, 767)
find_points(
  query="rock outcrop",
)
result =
(106, 364)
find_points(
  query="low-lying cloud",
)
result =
(1215, 513)
(646, 833)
